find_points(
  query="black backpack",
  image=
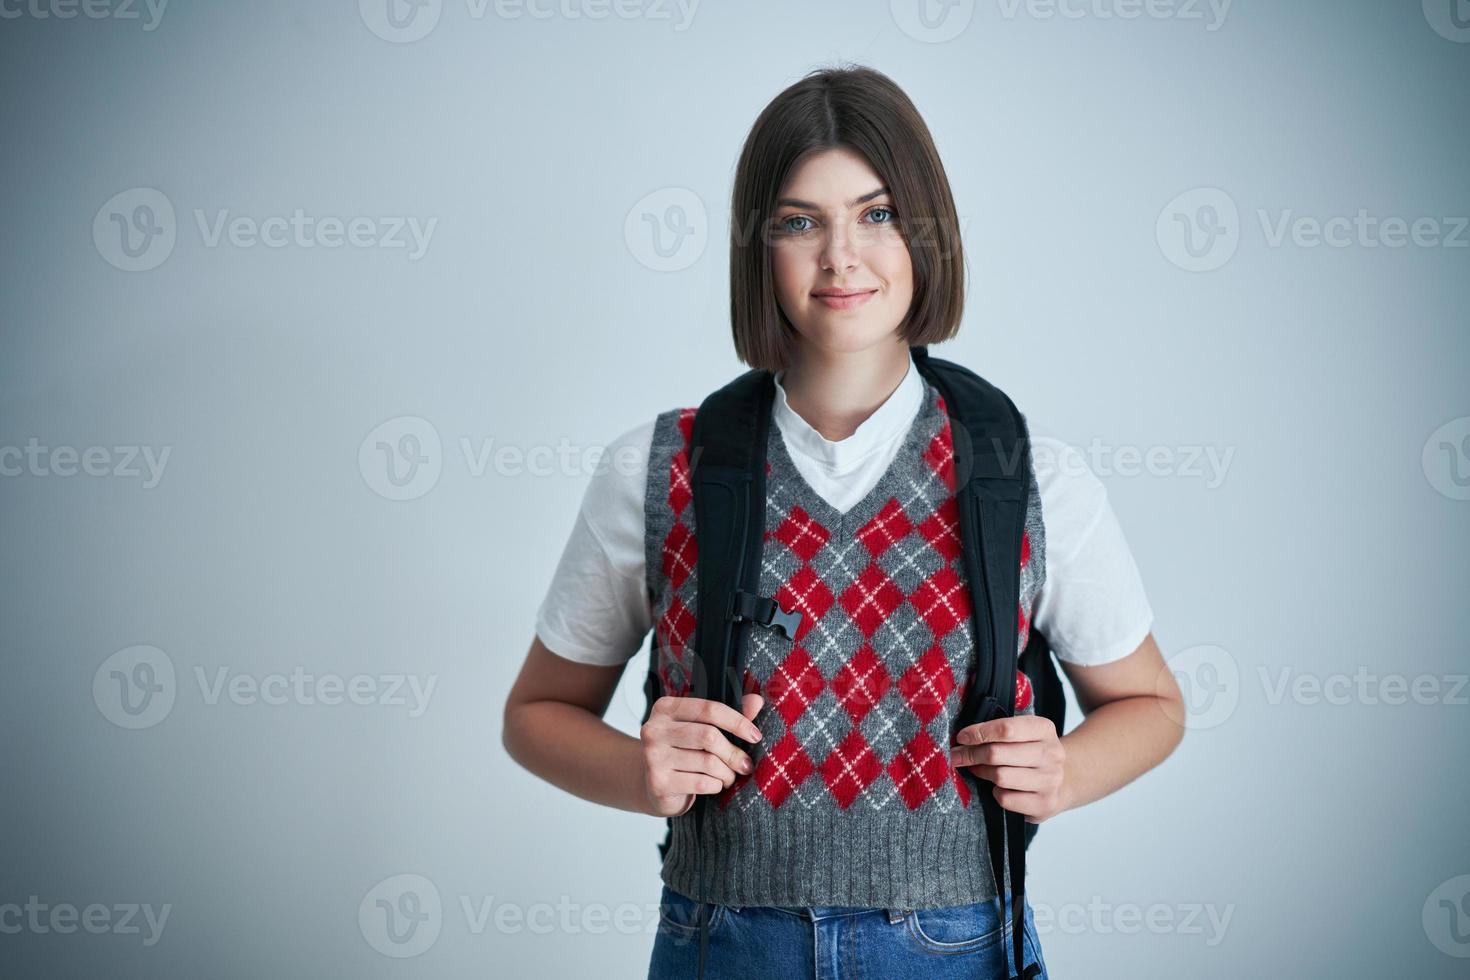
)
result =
(993, 481)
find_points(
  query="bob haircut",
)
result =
(864, 110)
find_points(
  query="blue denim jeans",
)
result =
(837, 942)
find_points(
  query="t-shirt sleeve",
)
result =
(1092, 607)
(596, 608)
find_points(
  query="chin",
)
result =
(846, 335)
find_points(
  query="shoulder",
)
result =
(1073, 499)
(1061, 465)
(612, 503)
(627, 455)
(672, 429)
(667, 445)
(1093, 606)
(614, 498)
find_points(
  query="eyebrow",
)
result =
(791, 202)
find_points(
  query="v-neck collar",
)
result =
(889, 420)
(895, 482)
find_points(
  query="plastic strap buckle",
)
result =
(763, 610)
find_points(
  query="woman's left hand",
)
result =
(1023, 757)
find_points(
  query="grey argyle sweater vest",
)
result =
(853, 800)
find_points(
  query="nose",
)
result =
(840, 253)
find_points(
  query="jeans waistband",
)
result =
(817, 913)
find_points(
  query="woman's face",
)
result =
(835, 229)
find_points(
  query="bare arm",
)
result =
(553, 727)
(1133, 719)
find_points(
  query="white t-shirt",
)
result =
(1092, 607)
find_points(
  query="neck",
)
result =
(835, 392)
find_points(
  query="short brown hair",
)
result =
(864, 110)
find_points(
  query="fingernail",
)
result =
(745, 766)
(754, 736)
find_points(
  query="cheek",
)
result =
(896, 268)
(790, 279)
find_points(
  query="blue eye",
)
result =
(786, 226)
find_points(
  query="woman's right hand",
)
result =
(685, 751)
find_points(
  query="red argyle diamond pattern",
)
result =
(888, 693)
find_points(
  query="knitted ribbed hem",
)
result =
(825, 856)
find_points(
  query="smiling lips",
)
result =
(844, 299)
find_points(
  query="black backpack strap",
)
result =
(727, 470)
(653, 685)
(992, 485)
(727, 455)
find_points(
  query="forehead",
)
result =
(831, 177)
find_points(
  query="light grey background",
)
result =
(542, 311)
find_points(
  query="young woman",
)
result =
(846, 834)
